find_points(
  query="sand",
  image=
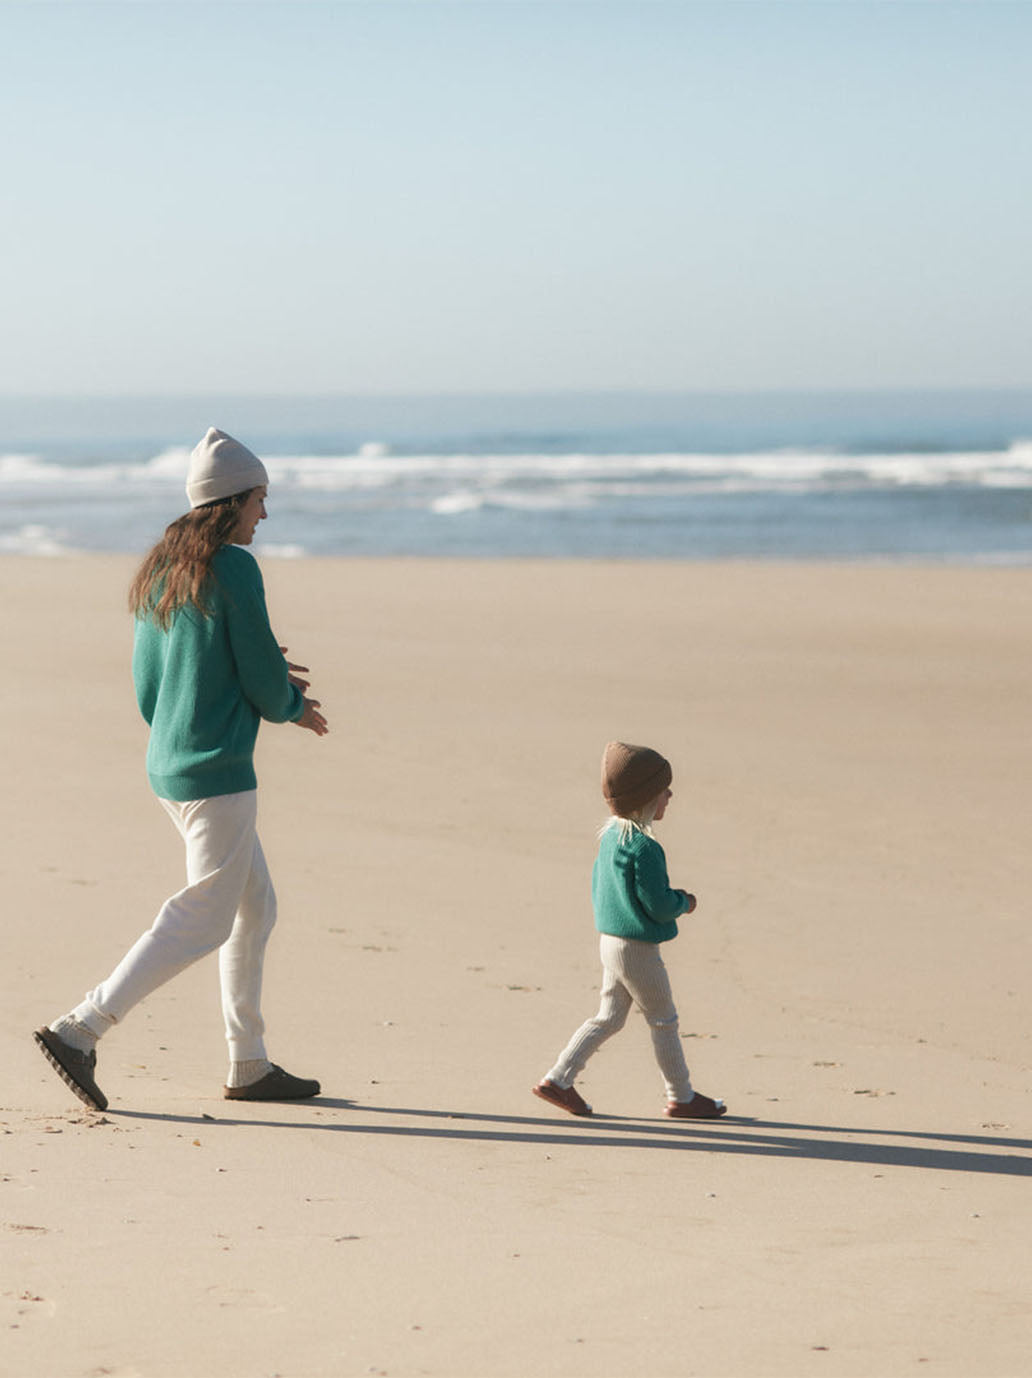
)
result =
(852, 757)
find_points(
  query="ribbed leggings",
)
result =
(632, 974)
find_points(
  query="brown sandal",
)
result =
(565, 1097)
(700, 1107)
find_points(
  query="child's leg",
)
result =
(642, 972)
(613, 1010)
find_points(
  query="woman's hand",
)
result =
(294, 672)
(313, 719)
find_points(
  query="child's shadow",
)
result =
(743, 1135)
(730, 1135)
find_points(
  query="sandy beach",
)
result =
(852, 757)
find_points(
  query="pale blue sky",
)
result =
(413, 197)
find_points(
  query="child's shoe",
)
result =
(700, 1107)
(565, 1097)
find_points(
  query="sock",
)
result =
(91, 1019)
(75, 1034)
(247, 1073)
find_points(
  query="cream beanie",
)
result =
(632, 776)
(220, 467)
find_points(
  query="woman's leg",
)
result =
(241, 959)
(220, 846)
(613, 1009)
(640, 967)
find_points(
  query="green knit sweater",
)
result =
(630, 890)
(204, 685)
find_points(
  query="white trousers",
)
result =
(228, 903)
(632, 974)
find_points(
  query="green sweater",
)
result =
(630, 890)
(204, 685)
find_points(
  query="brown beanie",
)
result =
(632, 776)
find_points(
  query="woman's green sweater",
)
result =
(205, 684)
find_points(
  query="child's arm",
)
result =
(652, 887)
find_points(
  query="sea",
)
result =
(887, 476)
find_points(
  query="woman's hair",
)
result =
(640, 820)
(178, 570)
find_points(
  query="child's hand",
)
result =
(692, 901)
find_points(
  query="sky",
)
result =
(425, 197)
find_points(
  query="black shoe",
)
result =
(72, 1067)
(274, 1085)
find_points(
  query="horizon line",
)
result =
(621, 390)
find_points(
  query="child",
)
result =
(635, 911)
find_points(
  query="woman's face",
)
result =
(252, 512)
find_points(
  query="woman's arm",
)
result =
(264, 675)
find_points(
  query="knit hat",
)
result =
(220, 467)
(632, 776)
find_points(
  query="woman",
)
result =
(207, 669)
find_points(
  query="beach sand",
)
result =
(852, 757)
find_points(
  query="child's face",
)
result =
(661, 804)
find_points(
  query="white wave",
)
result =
(172, 463)
(30, 470)
(1001, 558)
(558, 498)
(455, 504)
(16, 466)
(33, 539)
(777, 468)
(282, 551)
(375, 468)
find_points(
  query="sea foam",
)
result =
(792, 500)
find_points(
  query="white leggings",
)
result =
(228, 903)
(633, 974)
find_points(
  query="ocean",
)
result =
(857, 476)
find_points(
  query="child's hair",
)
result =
(178, 569)
(637, 821)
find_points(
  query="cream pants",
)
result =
(632, 974)
(228, 903)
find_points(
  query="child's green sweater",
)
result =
(204, 685)
(630, 890)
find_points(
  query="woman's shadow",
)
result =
(1007, 1157)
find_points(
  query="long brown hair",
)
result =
(178, 570)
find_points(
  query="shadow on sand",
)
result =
(731, 1135)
